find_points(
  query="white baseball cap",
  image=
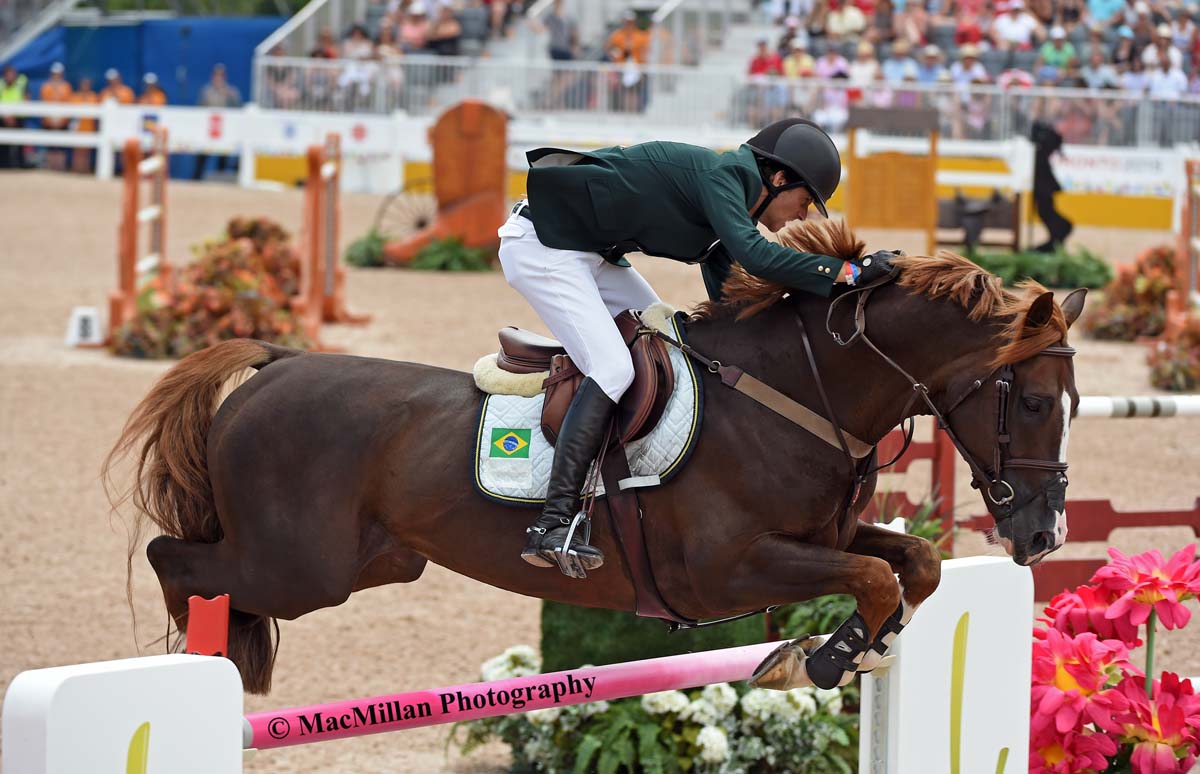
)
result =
(111, 73)
(150, 79)
(56, 68)
(1057, 33)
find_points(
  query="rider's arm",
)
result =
(723, 201)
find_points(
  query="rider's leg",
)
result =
(623, 288)
(561, 287)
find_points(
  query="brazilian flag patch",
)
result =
(510, 443)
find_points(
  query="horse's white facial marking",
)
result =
(1066, 427)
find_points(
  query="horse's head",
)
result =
(1013, 425)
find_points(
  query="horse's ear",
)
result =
(1040, 311)
(1072, 305)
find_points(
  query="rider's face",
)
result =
(787, 206)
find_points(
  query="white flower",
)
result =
(702, 712)
(544, 717)
(721, 696)
(592, 708)
(830, 699)
(713, 744)
(759, 704)
(665, 702)
(798, 703)
(517, 661)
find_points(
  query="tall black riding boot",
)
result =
(583, 430)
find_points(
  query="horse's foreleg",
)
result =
(786, 570)
(919, 565)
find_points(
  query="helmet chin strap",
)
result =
(772, 192)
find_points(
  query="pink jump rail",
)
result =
(399, 711)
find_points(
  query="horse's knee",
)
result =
(880, 594)
(922, 571)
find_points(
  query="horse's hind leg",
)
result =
(782, 569)
(919, 565)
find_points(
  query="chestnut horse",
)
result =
(325, 474)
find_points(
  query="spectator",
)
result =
(414, 28)
(900, 66)
(1162, 47)
(377, 16)
(1135, 79)
(1095, 42)
(930, 69)
(217, 94)
(968, 69)
(1126, 15)
(912, 23)
(1143, 27)
(865, 66)
(834, 106)
(152, 93)
(1194, 83)
(357, 44)
(1071, 76)
(563, 33)
(791, 28)
(56, 90)
(779, 10)
(81, 158)
(1184, 32)
(114, 89)
(831, 65)
(629, 43)
(1167, 81)
(968, 31)
(799, 63)
(1054, 55)
(1124, 53)
(386, 48)
(765, 61)
(1012, 78)
(1104, 11)
(475, 21)
(1016, 29)
(14, 89)
(326, 47)
(882, 27)
(1099, 74)
(1071, 12)
(282, 90)
(817, 23)
(1042, 10)
(445, 34)
(844, 20)
(501, 14)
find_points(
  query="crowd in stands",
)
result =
(57, 88)
(886, 51)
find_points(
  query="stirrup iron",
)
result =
(568, 560)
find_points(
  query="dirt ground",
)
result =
(62, 558)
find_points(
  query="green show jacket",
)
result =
(666, 199)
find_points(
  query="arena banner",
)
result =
(1153, 172)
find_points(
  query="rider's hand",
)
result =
(876, 266)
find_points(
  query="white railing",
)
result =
(677, 95)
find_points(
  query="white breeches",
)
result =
(576, 294)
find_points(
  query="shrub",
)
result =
(1175, 363)
(367, 251)
(1061, 269)
(1135, 302)
(450, 254)
(239, 287)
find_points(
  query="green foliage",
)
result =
(366, 251)
(1175, 363)
(1061, 269)
(450, 254)
(579, 635)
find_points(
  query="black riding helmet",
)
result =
(805, 149)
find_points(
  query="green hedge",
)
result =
(1062, 269)
(580, 635)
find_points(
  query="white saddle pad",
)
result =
(512, 457)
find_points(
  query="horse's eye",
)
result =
(1033, 405)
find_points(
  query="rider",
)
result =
(563, 250)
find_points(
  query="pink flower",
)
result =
(1083, 610)
(1162, 729)
(1071, 753)
(1146, 582)
(1070, 681)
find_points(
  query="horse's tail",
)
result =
(167, 435)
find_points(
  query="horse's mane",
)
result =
(944, 275)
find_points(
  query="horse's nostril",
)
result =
(1042, 541)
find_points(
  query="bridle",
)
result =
(999, 494)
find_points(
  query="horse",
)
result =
(325, 474)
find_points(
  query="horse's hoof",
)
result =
(784, 668)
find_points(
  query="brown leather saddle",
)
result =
(640, 408)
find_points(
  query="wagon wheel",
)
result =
(404, 213)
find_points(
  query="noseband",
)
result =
(999, 494)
